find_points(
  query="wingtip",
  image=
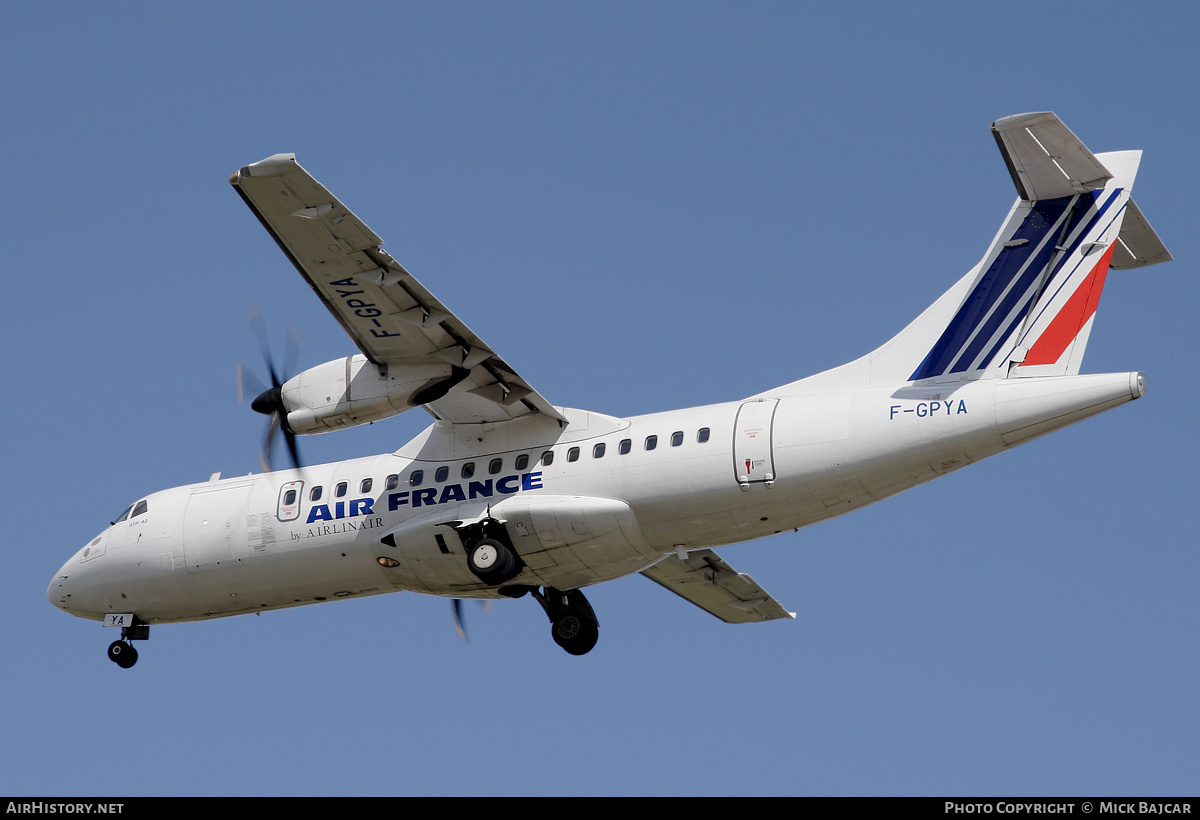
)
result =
(273, 165)
(1021, 119)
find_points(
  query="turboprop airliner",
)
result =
(506, 495)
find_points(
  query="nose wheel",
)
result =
(121, 652)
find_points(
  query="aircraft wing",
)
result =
(717, 588)
(392, 318)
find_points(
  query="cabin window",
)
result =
(598, 450)
(416, 478)
(522, 461)
(651, 442)
(702, 435)
(495, 465)
(573, 454)
(468, 469)
(442, 473)
(625, 446)
(547, 458)
(315, 495)
(365, 487)
(677, 438)
(340, 490)
(289, 498)
(139, 509)
(393, 481)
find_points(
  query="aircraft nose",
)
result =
(73, 587)
(59, 592)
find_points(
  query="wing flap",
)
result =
(1137, 245)
(711, 584)
(390, 315)
(1045, 159)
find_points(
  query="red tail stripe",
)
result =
(1049, 347)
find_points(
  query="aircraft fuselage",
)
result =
(616, 496)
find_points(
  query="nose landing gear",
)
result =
(121, 652)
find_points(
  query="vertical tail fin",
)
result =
(1032, 306)
(1027, 308)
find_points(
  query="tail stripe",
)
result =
(1047, 303)
(1037, 226)
(1011, 308)
(1050, 346)
(999, 302)
(1055, 277)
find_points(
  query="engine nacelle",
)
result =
(352, 391)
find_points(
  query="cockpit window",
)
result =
(139, 509)
(124, 515)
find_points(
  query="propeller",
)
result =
(269, 400)
(459, 625)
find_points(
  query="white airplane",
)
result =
(506, 494)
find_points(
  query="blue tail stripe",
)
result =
(1008, 263)
(1005, 337)
(1092, 229)
(1007, 314)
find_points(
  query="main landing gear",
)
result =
(121, 652)
(492, 559)
(573, 624)
(490, 554)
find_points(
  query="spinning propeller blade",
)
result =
(269, 401)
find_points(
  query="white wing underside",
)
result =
(392, 318)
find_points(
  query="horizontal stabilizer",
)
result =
(1137, 244)
(714, 586)
(1045, 159)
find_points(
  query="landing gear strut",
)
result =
(121, 652)
(573, 624)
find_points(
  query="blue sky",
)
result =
(641, 207)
